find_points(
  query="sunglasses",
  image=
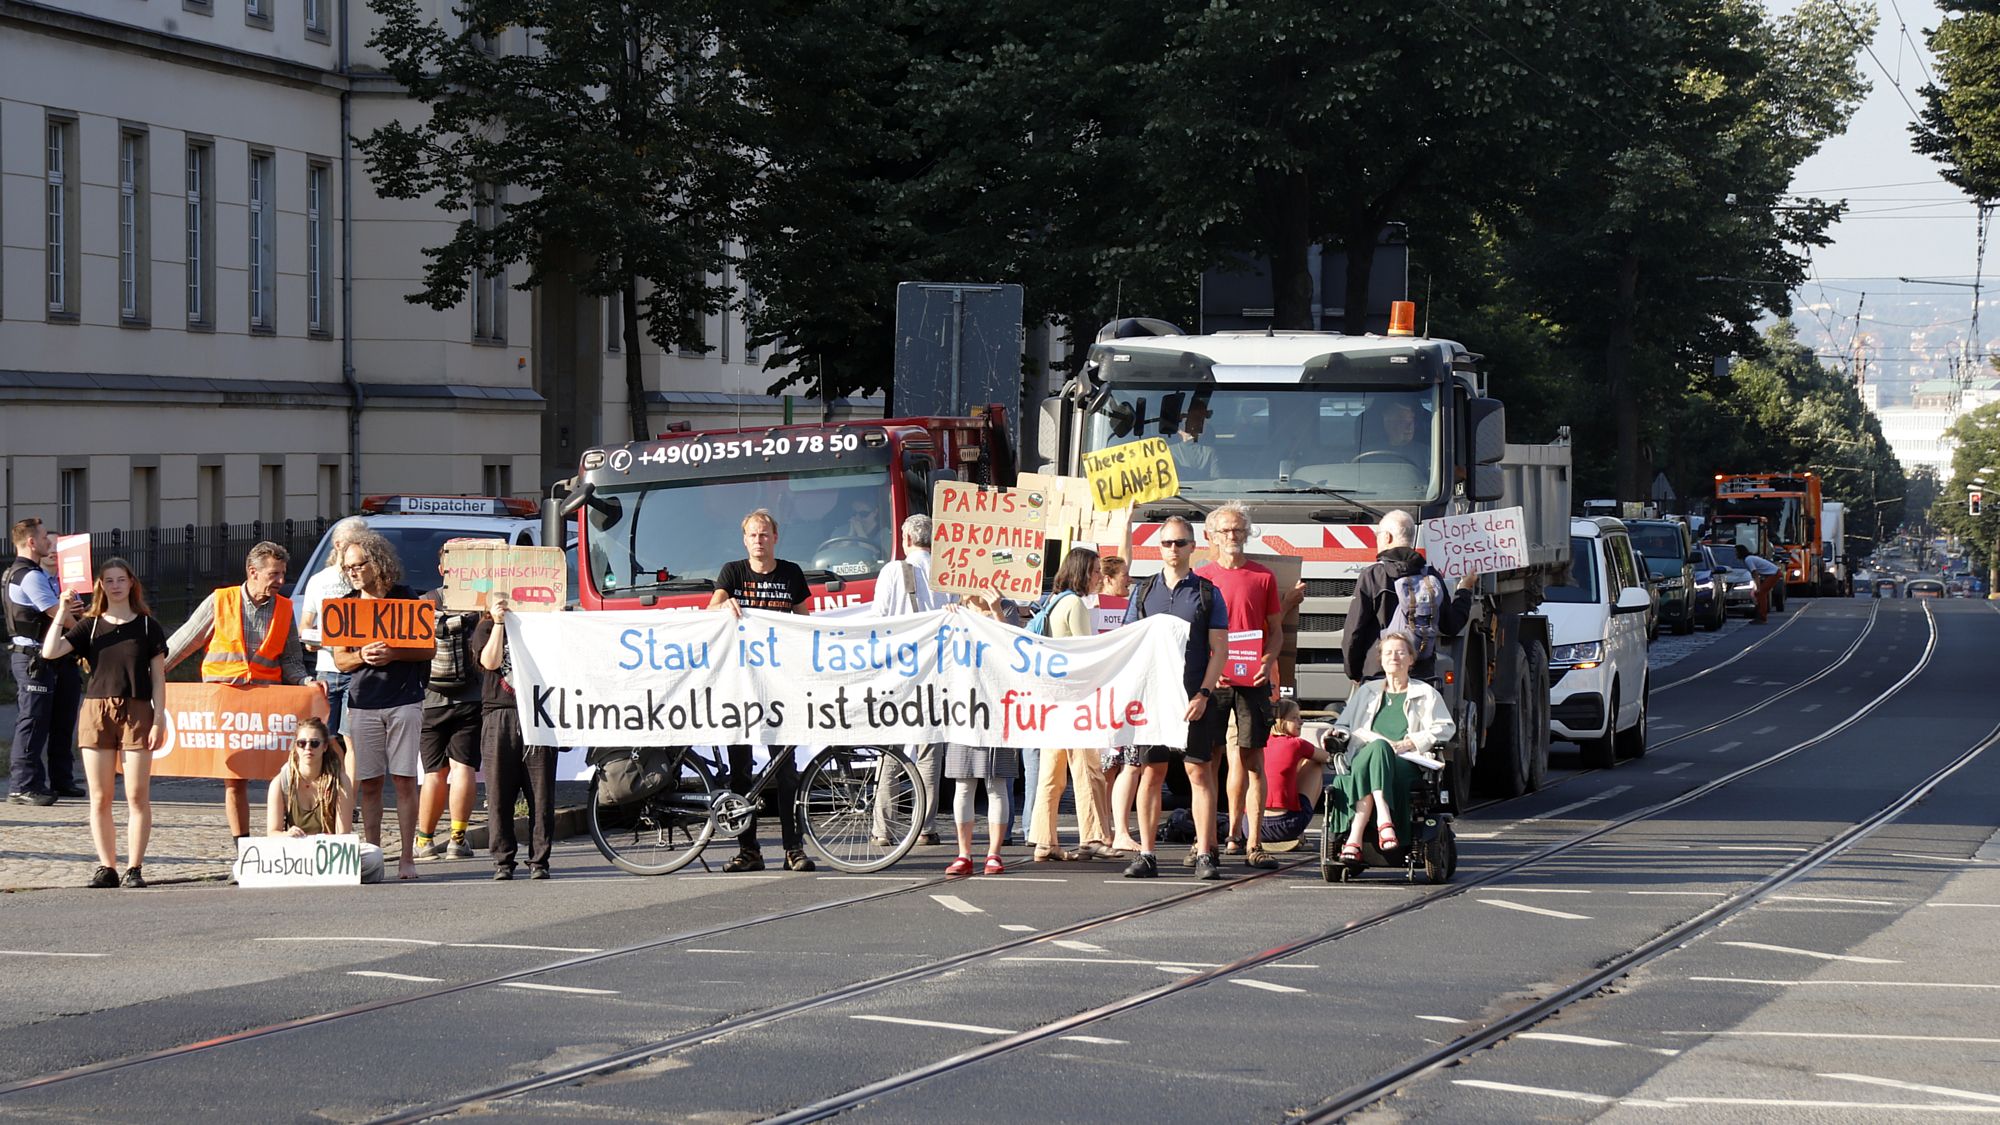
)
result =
(1176, 542)
(310, 743)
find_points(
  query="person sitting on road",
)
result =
(1291, 789)
(1388, 717)
(309, 797)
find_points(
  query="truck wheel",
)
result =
(1507, 761)
(1538, 726)
(1601, 753)
(1458, 767)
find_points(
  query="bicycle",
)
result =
(849, 797)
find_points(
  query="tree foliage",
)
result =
(1976, 438)
(1960, 122)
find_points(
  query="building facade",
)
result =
(202, 301)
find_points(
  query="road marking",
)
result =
(1941, 858)
(1844, 689)
(1915, 1087)
(1587, 1041)
(1513, 890)
(956, 904)
(536, 948)
(1017, 927)
(395, 976)
(870, 878)
(1881, 660)
(1079, 946)
(1154, 883)
(39, 953)
(721, 951)
(1881, 1107)
(1125, 961)
(1651, 725)
(1812, 953)
(1676, 768)
(1863, 983)
(1033, 879)
(1811, 707)
(1765, 730)
(1841, 1035)
(1526, 909)
(976, 1029)
(1475, 835)
(382, 940)
(1265, 986)
(1970, 905)
(1443, 1019)
(1843, 901)
(1867, 674)
(1565, 1095)
(1677, 894)
(1574, 805)
(1725, 748)
(1749, 680)
(1757, 848)
(1180, 970)
(1096, 1039)
(532, 987)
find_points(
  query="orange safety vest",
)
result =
(228, 660)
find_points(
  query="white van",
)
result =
(1598, 691)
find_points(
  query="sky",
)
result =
(1903, 220)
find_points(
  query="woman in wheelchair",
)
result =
(1384, 718)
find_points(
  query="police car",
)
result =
(418, 526)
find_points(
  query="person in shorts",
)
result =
(451, 729)
(124, 709)
(1250, 591)
(1179, 591)
(385, 702)
(1288, 804)
(330, 582)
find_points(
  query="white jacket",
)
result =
(1429, 719)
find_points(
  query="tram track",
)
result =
(1745, 650)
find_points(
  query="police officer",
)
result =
(49, 692)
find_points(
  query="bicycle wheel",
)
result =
(852, 796)
(663, 833)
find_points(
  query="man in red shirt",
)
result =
(1256, 614)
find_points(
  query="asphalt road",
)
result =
(1065, 993)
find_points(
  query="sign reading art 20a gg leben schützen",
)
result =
(687, 679)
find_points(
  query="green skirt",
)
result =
(1370, 768)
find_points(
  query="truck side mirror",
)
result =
(1485, 483)
(1487, 418)
(1049, 436)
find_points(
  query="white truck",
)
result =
(1836, 581)
(1319, 434)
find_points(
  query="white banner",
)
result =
(298, 861)
(1476, 542)
(644, 678)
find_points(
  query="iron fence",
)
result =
(180, 565)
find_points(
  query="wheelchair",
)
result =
(1429, 849)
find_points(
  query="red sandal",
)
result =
(1350, 853)
(960, 866)
(1385, 837)
(994, 866)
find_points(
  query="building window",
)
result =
(489, 287)
(614, 322)
(200, 234)
(272, 492)
(329, 492)
(315, 17)
(319, 248)
(63, 245)
(263, 262)
(72, 498)
(257, 13)
(499, 480)
(134, 239)
(145, 497)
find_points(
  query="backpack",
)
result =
(1204, 596)
(1039, 623)
(1419, 600)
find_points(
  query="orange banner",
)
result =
(226, 730)
(396, 622)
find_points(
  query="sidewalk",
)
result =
(43, 848)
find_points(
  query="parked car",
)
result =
(1742, 585)
(1599, 690)
(1670, 561)
(1711, 588)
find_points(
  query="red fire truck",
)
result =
(656, 520)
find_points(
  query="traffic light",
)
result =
(1972, 501)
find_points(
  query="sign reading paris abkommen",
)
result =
(643, 678)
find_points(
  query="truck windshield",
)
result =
(677, 534)
(1786, 515)
(1370, 443)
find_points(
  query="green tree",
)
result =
(618, 152)
(1975, 456)
(1959, 125)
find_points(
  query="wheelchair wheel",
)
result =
(851, 796)
(1441, 857)
(663, 833)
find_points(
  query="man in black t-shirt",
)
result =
(764, 581)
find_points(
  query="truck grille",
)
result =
(1322, 622)
(1330, 587)
(1329, 656)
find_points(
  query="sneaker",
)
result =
(432, 850)
(502, 874)
(536, 872)
(1261, 859)
(44, 800)
(799, 861)
(1143, 866)
(133, 878)
(104, 877)
(744, 861)
(73, 792)
(930, 838)
(1205, 867)
(458, 849)
(881, 842)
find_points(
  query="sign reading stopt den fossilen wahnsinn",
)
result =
(1137, 472)
(1476, 542)
(988, 540)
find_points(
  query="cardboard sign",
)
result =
(396, 622)
(230, 730)
(1134, 473)
(1074, 517)
(533, 579)
(988, 540)
(73, 571)
(1110, 612)
(298, 861)
(1477, 542)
